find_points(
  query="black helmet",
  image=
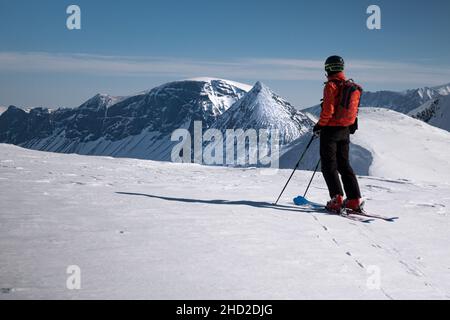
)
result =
(334, 64)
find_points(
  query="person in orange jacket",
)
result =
(334, 128)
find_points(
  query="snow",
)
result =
(261, 108)
(141, 146)
(407, 102)
(403, 147)
(443, 90)
(387, 144)
(3, 109)
(242, 86)
(404, 101)
(149, 230)
(101, 100)
(108, 100)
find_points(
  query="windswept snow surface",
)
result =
(2, 109)
(157, 230)
(402, 147)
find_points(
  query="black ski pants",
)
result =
(334, 154)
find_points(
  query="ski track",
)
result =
(409, 267)
(186, 233)
(348, 253)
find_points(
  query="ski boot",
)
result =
(335, 205)
(355, 205)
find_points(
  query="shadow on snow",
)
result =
(254, 204)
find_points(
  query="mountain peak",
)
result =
(263, 109)
(101, 100)
(259, 87)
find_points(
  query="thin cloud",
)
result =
(258, 68)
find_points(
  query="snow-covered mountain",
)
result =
(261, 108)
(388, 144)
(138, 126)
(400, 101)
(404, 101)
(2, 109)
(435, 112)
(273, 121)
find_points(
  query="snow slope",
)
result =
(242, 86)
(403, 147)
(435, 112)
(157, 230)
(388, 144)
(2, 109)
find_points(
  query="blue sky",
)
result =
(130, 46)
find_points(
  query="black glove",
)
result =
(317, 129)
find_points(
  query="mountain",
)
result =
(402, 101)
(101, 101)
(435, 112)
(261, 108)
(138, 126)
(141, 126)
(262, 123)
(18, 125)
(388, 144)
(242, 86)
(2, 109)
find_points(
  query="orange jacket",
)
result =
(332, 116)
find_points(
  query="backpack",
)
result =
(349, 102)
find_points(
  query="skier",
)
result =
(338, 119)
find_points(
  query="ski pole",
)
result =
(312, 178)
(296, 166)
